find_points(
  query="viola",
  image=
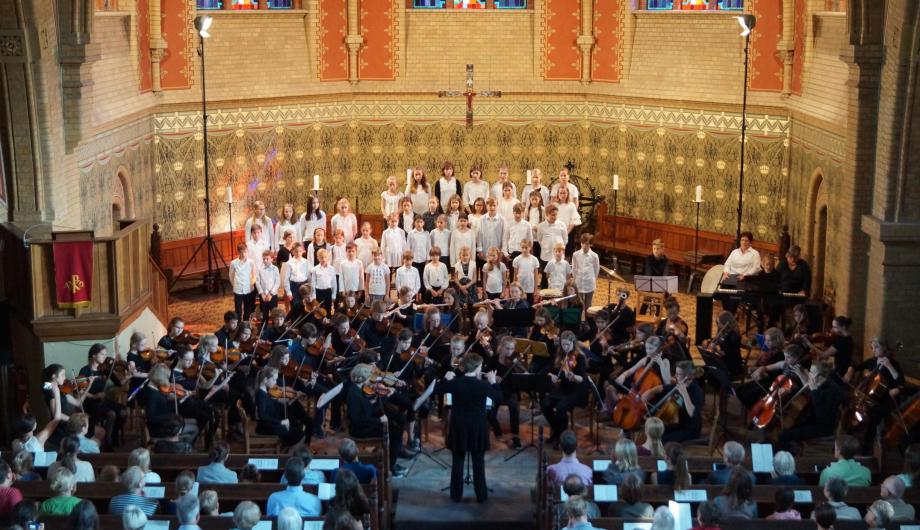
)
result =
(668, 407)
(382, 326)
(630, 410)
(316, 310)
(375, 389)
(867, 394)
(173, 390)
(278, 392)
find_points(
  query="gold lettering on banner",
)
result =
(75, 284)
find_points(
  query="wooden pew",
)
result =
(57, 522)
(613, 523)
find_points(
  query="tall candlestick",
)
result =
(529, 177)
(228, 198)
(616, 182)
(409, 177)
(699, 193)
(315, 182)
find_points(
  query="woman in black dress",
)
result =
(288, 424)
(468, 433)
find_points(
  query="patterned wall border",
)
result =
(104, 146)
(825, 142)
(422, 111)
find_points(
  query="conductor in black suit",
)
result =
(468, 431)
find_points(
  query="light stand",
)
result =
(747, 21)
(212, 275)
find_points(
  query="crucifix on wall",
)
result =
(469, 94)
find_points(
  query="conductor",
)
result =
(468, 432)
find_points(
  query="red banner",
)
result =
(73, 273)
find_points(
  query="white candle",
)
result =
(699, 193)
(315, 182)
(616, 182)
(529, 177)
(409, 177)
(228, 198)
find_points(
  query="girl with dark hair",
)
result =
(84, 516)
(783, 500)
(841, 345)
(67, 459)
(102, 409)
(350, 496)
(735, 501)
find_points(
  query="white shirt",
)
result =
(392, 244)
(268, 280)
(268, 231)
(573, 192)
(524, 267)
(419, 199)
(338, 256)
(548, 234)
(452, 218)
(352, 275)
(568, 214)
(312, 250)
(535, 216)
(506, 208)
(460, 239)
(296, 270)
(85, 472)
(744, 263)
(378, 279)
(254, 249)
(365, 247)
(420, 244)
(308, 226)
(544, 192)
(497, 189)
(473, 190)
(557, 273)
(241, 276)
(285, 226)
(390, 202)
(471, 271)
(495, 278)
(491, 230)
(348, 224)
(585, 266)
(436, 276)
(447, 189)
(515, 232)
(324, 278)
(408, 277)
(441, 239)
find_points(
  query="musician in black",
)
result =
(374, 332)
(468, 432)
(275, 330)
(791, 365)
(370, 405)
(622, 316)
(841, 345)
(689, 397)
(794, 273)
(546, 331)
(723, 352)
(821, 414)
(674, 330)
(228, 330)
(656, 263)
(888, 386)
(98, 402)
(174, 330)
(190, 378)
(570, 377)
(504, 364)
(161, 407)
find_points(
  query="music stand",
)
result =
(536, 348)
(533, 385)
(513, 318)
(656, 284)
(566, 318)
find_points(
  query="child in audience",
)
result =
(185, 481)
(783, 501)
(22, 464)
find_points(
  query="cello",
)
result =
(772, 404)
(630, 410)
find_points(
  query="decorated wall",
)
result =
(660, 155)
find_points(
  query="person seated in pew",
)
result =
(911, 465)
(625, 462)
(572, 486)
(216, 471)
(893, 491)
(630, 505)
(140, 457)
(22, 466)
(289, 519)
(132, 482)
(306, 504)
(67, 458)
(652, 446)
(846, 467)
(246, 515)
(735, 501)
(172, 444)
(25, 437)
(568, 464)
(732, 456)
(707, 516)
(310, 476)
(209, 504)
(9, 496)
(824, 516)
(133, 518)
(879, 515)
(341, 519)
(350, 496)
(784, 470)
(663, 519)
(835, 491)
(185, 481)
(188, 511)
(821, 413)
(576, 509)
(78, 425)
(783, 501)
(677, 473)
(250, 475)
(64, 484)
(84, 516)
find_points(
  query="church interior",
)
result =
(139, 137)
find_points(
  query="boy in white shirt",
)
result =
(586, 265)
(491, 231)
(550, 232)
(268, 281)
(258, 218)
(242, 277)
(377, 278)
(496, 190)
(256, 244)
(351, 274)
(436, 278)
(407, 276)
(557, 271)
(295, 272)
(516, 230)
(419, 244)
(324, 280)
(337, 252)
(526, 270)
(440, 237)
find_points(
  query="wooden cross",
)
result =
(469, 94)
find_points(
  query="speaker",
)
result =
(703, 317)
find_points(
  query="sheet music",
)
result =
(194, 491)
(312, 525)
(448, 400)
(637, 526)
(324, 464)
(681, 512)
(804, 496)
(601, 465)
(762, 458)
(329, 395)
(662, 465)
(44, 459)
(690, 496)
(605, 493)
(157, 524)
(155, 492)
(326, 491)
(427, 394)
(263, 525)
(263, 464)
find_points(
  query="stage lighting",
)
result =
(747, 22)
(202, 24)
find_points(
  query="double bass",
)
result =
(630, 410)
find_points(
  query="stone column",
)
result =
(353, 41)
(586, 39)
(786, 46)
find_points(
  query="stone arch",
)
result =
(816, 231)
(122, 196)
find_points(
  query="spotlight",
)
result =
(203, 23)
(747, 22)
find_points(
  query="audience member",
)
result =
(25, 513)
(783, 500)
(893, 491)
(67, 457)
(310, 476)
(133, 518)
(109, 473)
(854, 473)
(216, 472)
(132, 483)
(340, 519)
(289, 519)
(9, 496)
(250, 474)
(911, 465)
(835, 491)
(78, 425)
(171, 443)
(677, 473)
(569, 463)
(625, 462)
(63, 483)
(574, 486)
(246, 515)
(825, 516)
(784, 470)
(576, 509)
(25, 437)
(294, 496)
(208, 503)
(188, 513)
(663, 519)
(84, 516)
(654, 430)
(732, 455)
(630, 505)
(185, 481)
(879, 515)
(21, 465)
(735, 501)
(140, 457)
(350, 495)
(707, 516)
(348, 453)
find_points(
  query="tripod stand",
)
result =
(468, 473)
(532, 385)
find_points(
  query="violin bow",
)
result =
(284, 396)
(176, 392)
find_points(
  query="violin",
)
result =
(550, 330)
(293, 370)
(218, 356)
(79, 384)
(357, 343)
(117, 368)
(315, 309)
(630, 410)
(376, 389)
(418, 355)
(278, 392)
(187, 338)
(173, 390)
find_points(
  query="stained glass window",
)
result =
(660, 4)
(428, 4)
(510, 4)
(469, 4)
(731, 4)
(208, 4)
